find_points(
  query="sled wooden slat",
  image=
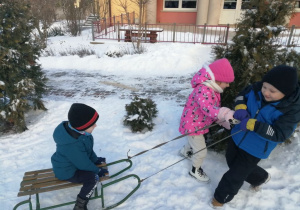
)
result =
(47, 189)
(40, 181)
(38, 176)
(38, 171)
(43, 185)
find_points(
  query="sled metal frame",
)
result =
(96, 195)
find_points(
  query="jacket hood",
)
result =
(61, 136)
(294, 99)
(202, 75)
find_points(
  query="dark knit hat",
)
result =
(282, 77)
(82, 116)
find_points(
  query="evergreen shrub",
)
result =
(22, 81)
(140, 113)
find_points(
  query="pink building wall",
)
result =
(295, 20)
(174, 17)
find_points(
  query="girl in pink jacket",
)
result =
(202, 109)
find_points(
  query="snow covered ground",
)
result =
(163, 73)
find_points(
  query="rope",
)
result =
(192, 155)
(178, 137)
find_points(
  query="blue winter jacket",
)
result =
(275, 121)
(72, 153)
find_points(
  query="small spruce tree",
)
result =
(22, 81)
(255, 49)
(140, 113)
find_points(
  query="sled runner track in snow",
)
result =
(41, 181)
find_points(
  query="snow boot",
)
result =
(187, 154)
(81, 204)
(257, 188)
(199, 174)
(215, 204)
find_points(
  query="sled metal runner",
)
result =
(36, 182)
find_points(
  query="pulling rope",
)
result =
(192, 154)
(178, 137)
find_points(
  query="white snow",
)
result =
(107, 84)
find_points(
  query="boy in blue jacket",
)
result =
(269, 112)
(75, 159)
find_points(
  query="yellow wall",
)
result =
(116, 9)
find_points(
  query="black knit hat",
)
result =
(282, 77)
(82, 116)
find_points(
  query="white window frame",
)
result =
(179, 9)
(236, 5)
(297, 8)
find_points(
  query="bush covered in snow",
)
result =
(140, 113)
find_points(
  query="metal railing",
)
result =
(182, 33)
(290, 37)
(205, 34)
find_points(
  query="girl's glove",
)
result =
(225, 114)
(224, 124)
(100, 160)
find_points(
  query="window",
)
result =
(229, 4)
(180, 4)
(246, 5)
(297, 6)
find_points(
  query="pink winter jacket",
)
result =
(202, 106)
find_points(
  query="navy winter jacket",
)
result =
(72, 153)
(275, 121)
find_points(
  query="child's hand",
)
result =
(247, 124)
(103, 172)
(241, 114)
(225, 114)
(224, 124)
(222, 112)
(100, 160)
(229, 116)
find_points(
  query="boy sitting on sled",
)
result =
(75, 159)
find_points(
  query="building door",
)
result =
(231, 11)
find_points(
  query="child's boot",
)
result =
(257, 188)
(215, 204)
(81, 204)
(187, 154)
(199, 174)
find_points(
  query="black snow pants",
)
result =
(242, 167)
(89, 180)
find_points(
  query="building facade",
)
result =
(211, 12)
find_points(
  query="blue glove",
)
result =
(241, 114)
(100, 160)
(243, 124)
(103, 172)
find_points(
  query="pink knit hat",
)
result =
(222, 70)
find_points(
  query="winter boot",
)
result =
(215, 204)
(257, 188)
(81, 204)
(199, 174)
(187, 154)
